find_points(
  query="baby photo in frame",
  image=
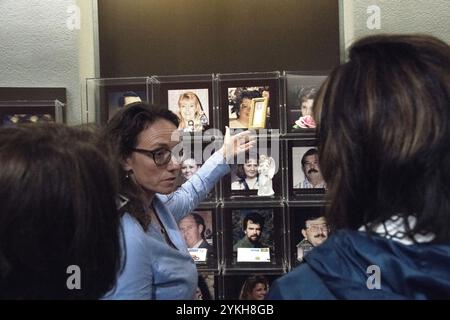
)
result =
(301, 93)
(198, 231)
(308, 229)
(192, 106)
(258, 113)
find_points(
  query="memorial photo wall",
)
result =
(258, 218)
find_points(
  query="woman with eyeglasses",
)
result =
(157, 264)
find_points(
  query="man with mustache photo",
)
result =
(315, 232)
(253, 225)
(311, 169)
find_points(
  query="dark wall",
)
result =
(162, 37)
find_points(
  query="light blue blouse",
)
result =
(154, 269)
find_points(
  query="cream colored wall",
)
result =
(88, 55)
(39, 49)
(396, 16)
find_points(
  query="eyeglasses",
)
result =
(318, 227)
(161, 157)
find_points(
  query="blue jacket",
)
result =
(338, 269)
(153, 269)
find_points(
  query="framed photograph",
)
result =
(18, 112)
(120, 99)
(207, 286)
(198, 231)
(252, 228)
(304, 175)
(253, 237)
(236, 101)
(115, 97)
(191, 101)
(192, 154)
(301, 90)
(258, 113)
(192, 108)
(308, 229)
(250, 286)
(257, 173)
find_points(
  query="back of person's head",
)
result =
(249, 284)
(384, 132)
(255, 217)
(58, 210)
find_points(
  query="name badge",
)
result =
(198, 254)
(253, 255)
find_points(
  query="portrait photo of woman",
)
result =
(191, 107)
(247, 176)
(240, 103)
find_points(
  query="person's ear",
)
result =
(200, 227)
(126, 164)
(304, 233)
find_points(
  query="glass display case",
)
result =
(252, 223)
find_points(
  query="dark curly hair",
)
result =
(241, 96)
(121, 136)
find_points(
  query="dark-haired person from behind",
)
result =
(384, 151)
(59, 228)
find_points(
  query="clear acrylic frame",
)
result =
(105, 96)
(287, 205)
(31, 111)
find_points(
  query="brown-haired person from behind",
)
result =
(58, 213)
(384, 151)
(157, 262)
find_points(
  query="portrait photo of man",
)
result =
(315, 231)
(193, 228)
(253, 225)
(308, 174)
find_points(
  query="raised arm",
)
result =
(188, 196)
